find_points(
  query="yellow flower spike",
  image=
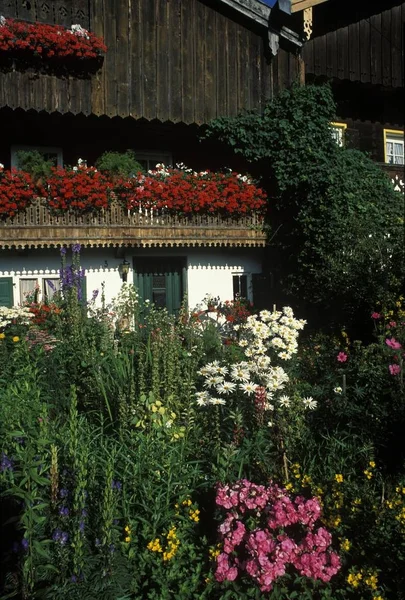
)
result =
(339, 478)
(16, 339)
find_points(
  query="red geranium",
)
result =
(16, 191)
(184, 191)
(81, 189)
(49, 41)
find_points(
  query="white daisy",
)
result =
(217, 401)
(310, 403)
(248, 388)
(226, 387)
(284, 401)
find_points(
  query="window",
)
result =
(338, 133)
(29, 289)
(240, 286)
(50, 287)
(394, 147)
(48, 152)
(161, 281)
(148, 160)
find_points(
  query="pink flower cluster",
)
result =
(284, 535)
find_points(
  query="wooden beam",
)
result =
(297, 5)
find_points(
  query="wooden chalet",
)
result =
(170, 67)
(359, 47)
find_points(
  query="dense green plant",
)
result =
(34, 163)
(337, 223)
(122, 164)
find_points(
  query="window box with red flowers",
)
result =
(39, 43)
(165, 191)
(16, 192)
(186, 192)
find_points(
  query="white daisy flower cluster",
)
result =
(278, 330)
(275, 332)
(19, 314)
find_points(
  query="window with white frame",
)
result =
(52, 153)
(37, 288)
(394, 146)
(338, 133)
(149, 159)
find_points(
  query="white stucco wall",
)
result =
(209, 270)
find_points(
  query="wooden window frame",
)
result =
(387, 134)
(163, 157)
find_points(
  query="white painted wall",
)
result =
(209, 270)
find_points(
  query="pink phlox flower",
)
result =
(224, 570)
(392, 343)
(392, 324)
(394, 369)
(375, 315)
(342, 357)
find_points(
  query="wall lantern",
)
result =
(124, 270)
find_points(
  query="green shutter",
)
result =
(6, 292)
(173, 270)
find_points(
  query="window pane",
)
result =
(51, 287)
(28, 290)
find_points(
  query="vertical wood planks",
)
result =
(98, 80)
(187, 60)
(211, 83)
(365, 54)
(122, 64)
(149, 59)
(386, 46)
(396, 47)
(221, 42)
(163, 57)
(110, 61)
(199, 63)
(232, 90)
(354, 52)
(136, 60)
(173, 73)
(375, 48)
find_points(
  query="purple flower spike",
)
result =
(25, 544)
(64, 511)
(76, 248)
(63, 251)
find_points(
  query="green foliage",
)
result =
(119, 164)
(337, 223)
(34, 163)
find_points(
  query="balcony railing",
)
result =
(37, 227)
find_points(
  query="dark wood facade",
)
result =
(173, 60)
(359, 48)
(358, 41)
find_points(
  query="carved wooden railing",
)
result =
(37, 227)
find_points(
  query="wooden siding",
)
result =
(36, 227)
(179, 61)
(368, 50)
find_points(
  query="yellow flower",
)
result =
(193, 514)
(368, 474)
(289, 487)
(2, 336)
(306, 480)
(16, 339)
(336, 521)
(154, 546)
(378, 598)
(339, 478)
(127, 539)
(346, 545)
(372, 464)
(187, 502)
(127, 529)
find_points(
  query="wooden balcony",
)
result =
(36, 227)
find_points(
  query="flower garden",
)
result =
(220, 454)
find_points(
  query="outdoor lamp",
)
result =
(124, 270)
